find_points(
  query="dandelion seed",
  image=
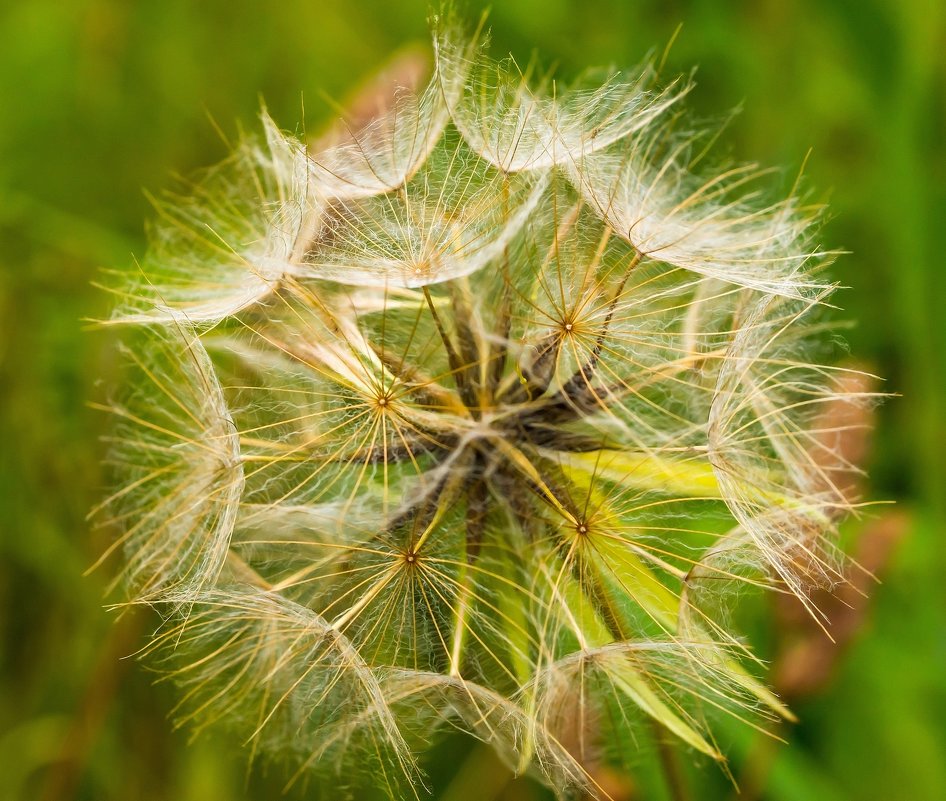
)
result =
(176, 448)
(473, 420)
(228, 245)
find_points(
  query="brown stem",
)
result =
(453, 358)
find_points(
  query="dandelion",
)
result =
(471, 420)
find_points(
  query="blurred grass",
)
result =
(99, 99)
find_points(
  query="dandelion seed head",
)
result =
(477, 416)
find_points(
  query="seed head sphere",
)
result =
(476, 418)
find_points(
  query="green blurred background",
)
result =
(102, 98)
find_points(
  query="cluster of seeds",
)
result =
(475, 419)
